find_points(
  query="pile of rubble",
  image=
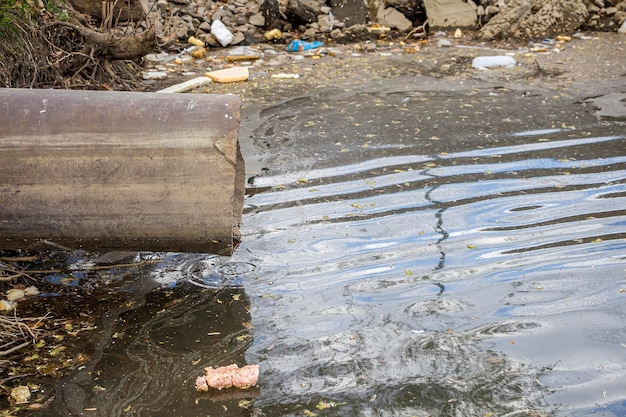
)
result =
(223, 23)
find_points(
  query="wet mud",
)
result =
(411, 245)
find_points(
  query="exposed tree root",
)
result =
(47, 53)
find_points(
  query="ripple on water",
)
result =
(518, 239)
(432, 277)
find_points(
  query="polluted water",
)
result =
(413, 247)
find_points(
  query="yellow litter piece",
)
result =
(229, 75)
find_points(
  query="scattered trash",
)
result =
(195, 41)
(458, 34)
(20, 394)
(484, 62)
(15, 294)
(378, 29)
(285, 76)
(199, 53)
(154, 75)
(7, 306)
(242, 53)
(187, 85)
(273, 35)
(229, 75)
(228, 377)
(300, 46)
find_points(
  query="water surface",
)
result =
(409, 248)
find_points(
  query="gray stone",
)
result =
(205, 27)
(306, 10)
(489, 10)
(162, 5)
(257, 19)
(394, 19)
(531, 19)
(325, 23)
(182, 28)
(238, 37)
(350, 12)
(449, 14)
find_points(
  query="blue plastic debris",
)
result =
(300, 46)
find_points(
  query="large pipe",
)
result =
(116, 170)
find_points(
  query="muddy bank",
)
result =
(590, 61)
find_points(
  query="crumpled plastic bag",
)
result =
(228, 377)
(301, 46)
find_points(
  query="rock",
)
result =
(449, 13)
(209, 39)
(221, 33)
(619, 17)
(531, 19)
(350, 12)
(305, 10)
(393, 18)
(205, 27)
(325, 22)
(182, 27)
(444, 43)
(238, 38)
(490, 10)
(622, 29)
(270, 10)
(257, 19)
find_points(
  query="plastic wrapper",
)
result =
(228, 377)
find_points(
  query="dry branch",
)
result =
(17, 333)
